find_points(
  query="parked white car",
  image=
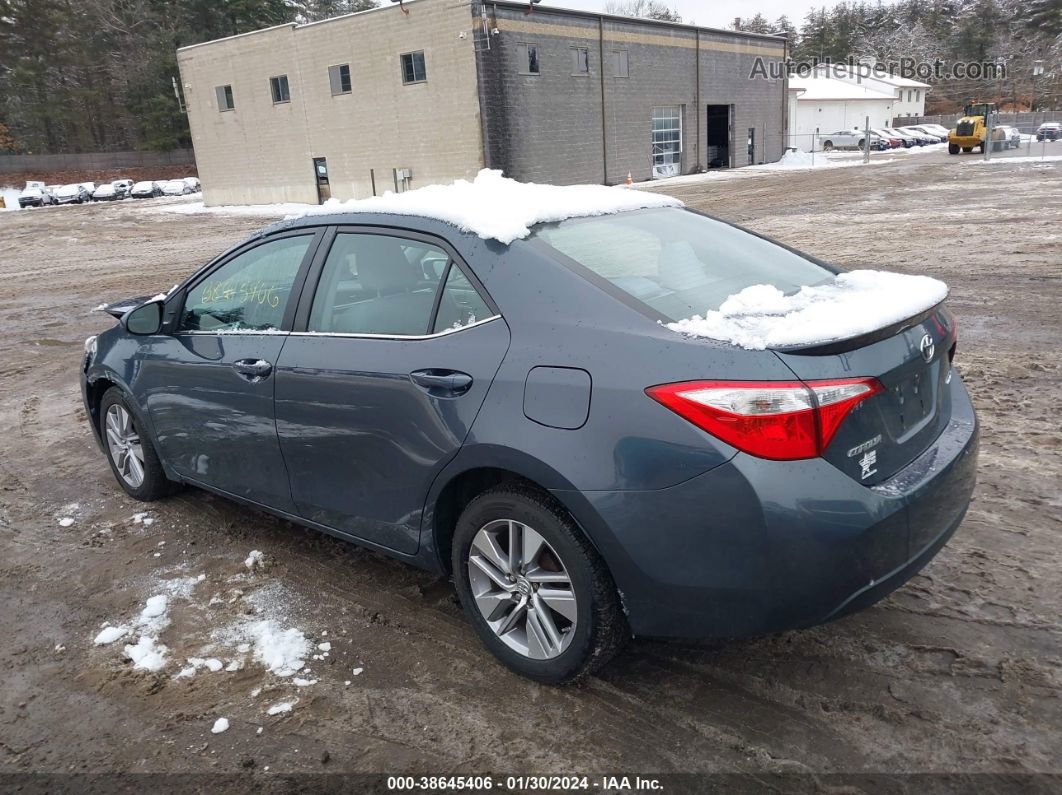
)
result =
(35, 194)
(936, 129)
(848, 139)
(146, 190)
(193, 183)
(104, 193)
(175, 187)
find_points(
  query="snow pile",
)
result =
(853, 303)
(794, 158)
(254, 560)
(498, 208)
(110, 635)
(282, 651)
(220, 725)
(147, 653)
(281, 708)
(10, 198)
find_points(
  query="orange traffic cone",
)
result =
(628, 181)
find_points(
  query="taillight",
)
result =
(780, 420)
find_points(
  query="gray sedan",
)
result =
(516, 415)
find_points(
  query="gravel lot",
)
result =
(960, 670)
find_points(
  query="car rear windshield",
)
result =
(675, 262)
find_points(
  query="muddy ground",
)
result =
(960, 670)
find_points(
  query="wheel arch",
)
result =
(474, 472)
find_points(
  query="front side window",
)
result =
(580, 61)
(249, 292)
(528, 55)
(225, 100)
(675, 262)
(377, 284)
(413, 70)
(339, 79)
(279, 86)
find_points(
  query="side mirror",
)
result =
(145, 319)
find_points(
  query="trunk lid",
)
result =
(884, 433)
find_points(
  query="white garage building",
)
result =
(833, 99)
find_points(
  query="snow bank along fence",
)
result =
(94, 161)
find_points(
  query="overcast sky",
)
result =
(717, 13)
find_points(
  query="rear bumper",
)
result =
(757, 546)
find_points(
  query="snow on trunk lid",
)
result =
(851, 304)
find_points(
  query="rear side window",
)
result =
(249, 292)
(460, 305)
(377, 284)
(674, 262)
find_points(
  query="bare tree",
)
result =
(647, 9)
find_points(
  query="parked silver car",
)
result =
(849, 139)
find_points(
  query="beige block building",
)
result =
(400, 97)
(263, 149)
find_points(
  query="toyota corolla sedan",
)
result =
(512, 409)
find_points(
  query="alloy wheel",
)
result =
(522, 589)
(123, 442)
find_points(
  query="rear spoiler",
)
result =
(850, 344)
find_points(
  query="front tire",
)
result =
(129, 451)
(953, 149)
(535, 590)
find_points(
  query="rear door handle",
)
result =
(252, 369)
(442, 383)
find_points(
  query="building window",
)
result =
(225, 102)
(580, 61)
(917, 94)
(620, 64)
(279, 86)
(667, 141)
(339, 79)
(413, 70)
(528, 55)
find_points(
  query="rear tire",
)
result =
(580, 622)
(129, 451)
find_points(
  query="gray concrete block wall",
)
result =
(549, 127)
(544, 127)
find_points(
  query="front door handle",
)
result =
(252, 369)
(442, 383)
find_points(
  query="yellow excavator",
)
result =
(972, 129)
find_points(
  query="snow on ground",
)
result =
(853, 303)
(254, 560)
(282, 651)
(282, 707)
(147, 653)
(10, 198)
(1024, 159)
(220, 725)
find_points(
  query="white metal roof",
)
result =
(825, 88)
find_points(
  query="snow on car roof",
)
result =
(496, 207)
(852, 303)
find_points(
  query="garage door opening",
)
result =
(320, 172)
(719, 136)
